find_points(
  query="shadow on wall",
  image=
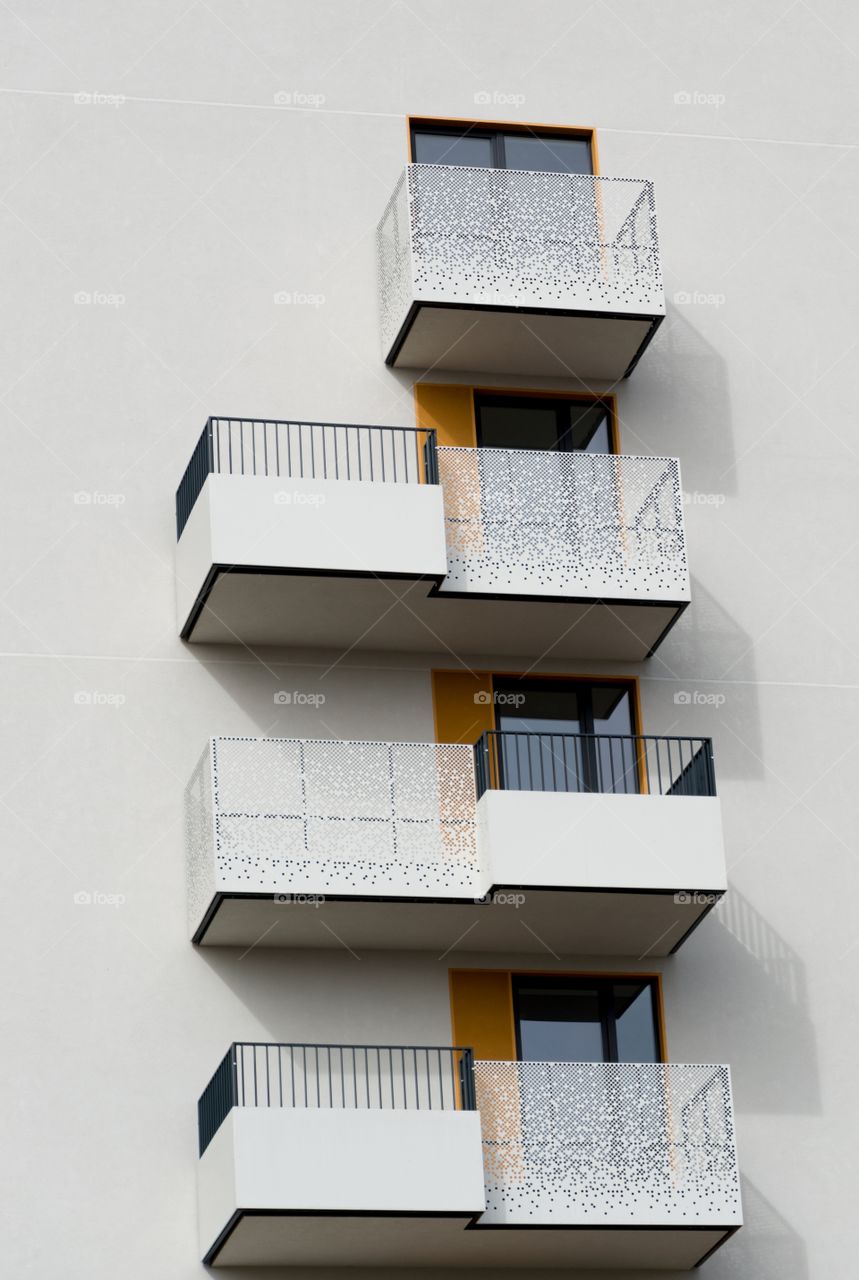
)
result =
(696, 377)
(766, 1248)
(757, 964)
(707, 639)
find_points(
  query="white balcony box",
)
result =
(508, 271)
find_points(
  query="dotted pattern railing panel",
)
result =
(608, 1143)
(504, 237)
(520, 521)
(362, 816)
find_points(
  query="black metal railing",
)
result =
(337, 1076)
(306, 450)
(625, 764)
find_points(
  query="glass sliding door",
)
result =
(582, 1019)
(555, 735)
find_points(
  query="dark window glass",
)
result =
(548, 154)
(486, 147)
(527, 425)
(452, 148)
(584, 1019)
(560, 1024)
(635, 1022)
(538, 422)
(587, 428)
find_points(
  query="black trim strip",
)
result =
(223, 896)
(416, 306)
(681, 609)
(217, 570)
(472, 1223)
(435, 593)
(240, 1214)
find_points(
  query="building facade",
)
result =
(428, 648)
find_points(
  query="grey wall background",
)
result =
(182, 208)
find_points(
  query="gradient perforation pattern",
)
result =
(511, 238)
(594, 1143)
(291, 814)
(520, 521)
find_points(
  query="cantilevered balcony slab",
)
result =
(269, 553)
(341, 1155)
(519, 272)
(374, 845)
(346, 537)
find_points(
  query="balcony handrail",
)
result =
(298, 449)
(259, 1074)
(647, 764)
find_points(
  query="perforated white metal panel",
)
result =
(506, 237)
(536, 523)
(608, 1143)
(295, 815)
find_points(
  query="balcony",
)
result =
(419, 1152)
(506, 271)
(596, 845)
(338, 536)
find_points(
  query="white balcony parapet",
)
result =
(558, 243)
(608, 1144)
(527, 522)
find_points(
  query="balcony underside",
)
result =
(271, 1238)
(593, 346)
(567, 921)
(343, 611)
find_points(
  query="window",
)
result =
(584, 1019)
(557, 735)
(482, 146)
(545, 423)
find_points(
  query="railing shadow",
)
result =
(762, 981)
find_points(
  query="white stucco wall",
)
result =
(193, 203)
